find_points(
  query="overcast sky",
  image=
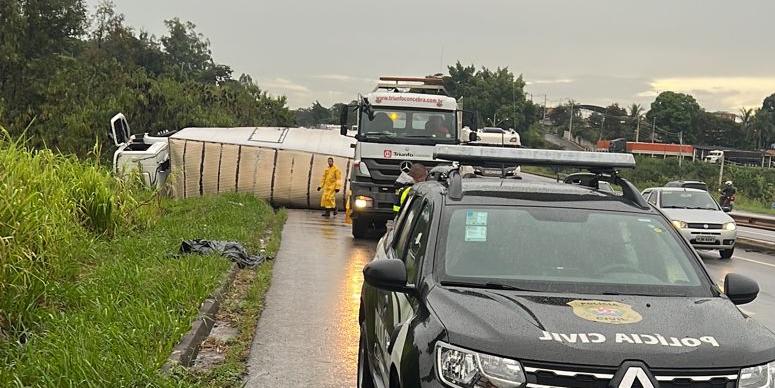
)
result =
(594, 51)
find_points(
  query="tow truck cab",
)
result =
(398, 124)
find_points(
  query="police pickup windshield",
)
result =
(568, 250)
(388, 125)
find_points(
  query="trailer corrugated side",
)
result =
(282, 165)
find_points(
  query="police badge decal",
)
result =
(614, 313)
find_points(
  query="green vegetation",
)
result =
(92, 294)
(673, 117)
(68, 73)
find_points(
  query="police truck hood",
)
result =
(663, 332)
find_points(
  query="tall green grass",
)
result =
(52, 209)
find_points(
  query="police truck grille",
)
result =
(545, 375)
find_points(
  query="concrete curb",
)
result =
(185, 351)
(749, 243)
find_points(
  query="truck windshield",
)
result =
(409, 126)
(567, 250)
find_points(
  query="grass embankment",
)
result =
(90, 292)
(755, 185)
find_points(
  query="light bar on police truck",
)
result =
(481, 156)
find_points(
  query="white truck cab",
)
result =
(398, 125)
(714, 156)
(145, 155)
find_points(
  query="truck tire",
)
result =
(727, 253)
(361, 227)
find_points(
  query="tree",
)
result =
(497, 95)
(676, 112)
(746, 116)
(189, 54)
(764, 122)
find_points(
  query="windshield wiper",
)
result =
(674, 207)
(382, 138)
(488, 285)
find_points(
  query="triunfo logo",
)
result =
(388, 154)
(423, 100)
(406, 154)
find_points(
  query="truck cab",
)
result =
(398, 125)
(714, 156)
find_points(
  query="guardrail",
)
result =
(766, 223)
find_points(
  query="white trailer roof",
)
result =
(320, 141)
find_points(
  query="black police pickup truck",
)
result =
(508, 283)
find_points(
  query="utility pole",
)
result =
(681, 149)
(637, 129)
(602, 126)
(570, 128)
(654, 129)
(544, 107)
(721, 170)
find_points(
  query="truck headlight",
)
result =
(680, 224)
(362, 169)
(730, 226)
(462, 368)
(513, 140)
(362, 202)
(762, 376)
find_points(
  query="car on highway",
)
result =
(699, 185)
(490, 282)
(497, 137)
(697, 216)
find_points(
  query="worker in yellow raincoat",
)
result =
(330, 184)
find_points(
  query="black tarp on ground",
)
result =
(234, 251)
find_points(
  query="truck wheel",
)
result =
(360, 227)
(727, 253)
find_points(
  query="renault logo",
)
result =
(634, 374)
(406, 166)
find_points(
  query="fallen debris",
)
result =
(234, 251)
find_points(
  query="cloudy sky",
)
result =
(594, 51)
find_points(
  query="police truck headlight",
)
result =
(730, 226)
(362, 202)
(680, 224)
(762, 376)
(464, 368)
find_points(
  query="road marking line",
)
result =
(756, 261)
(752, 232)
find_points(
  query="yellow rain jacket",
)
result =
(329, 184)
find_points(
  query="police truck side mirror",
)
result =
(343, 120)
(740, 289)
(387, 275)
(472, 136)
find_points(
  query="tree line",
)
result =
(64, 73)
(673, 117)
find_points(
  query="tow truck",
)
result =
(398, 124)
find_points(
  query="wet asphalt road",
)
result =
(308, 332)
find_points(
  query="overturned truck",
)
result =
(281, 165)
